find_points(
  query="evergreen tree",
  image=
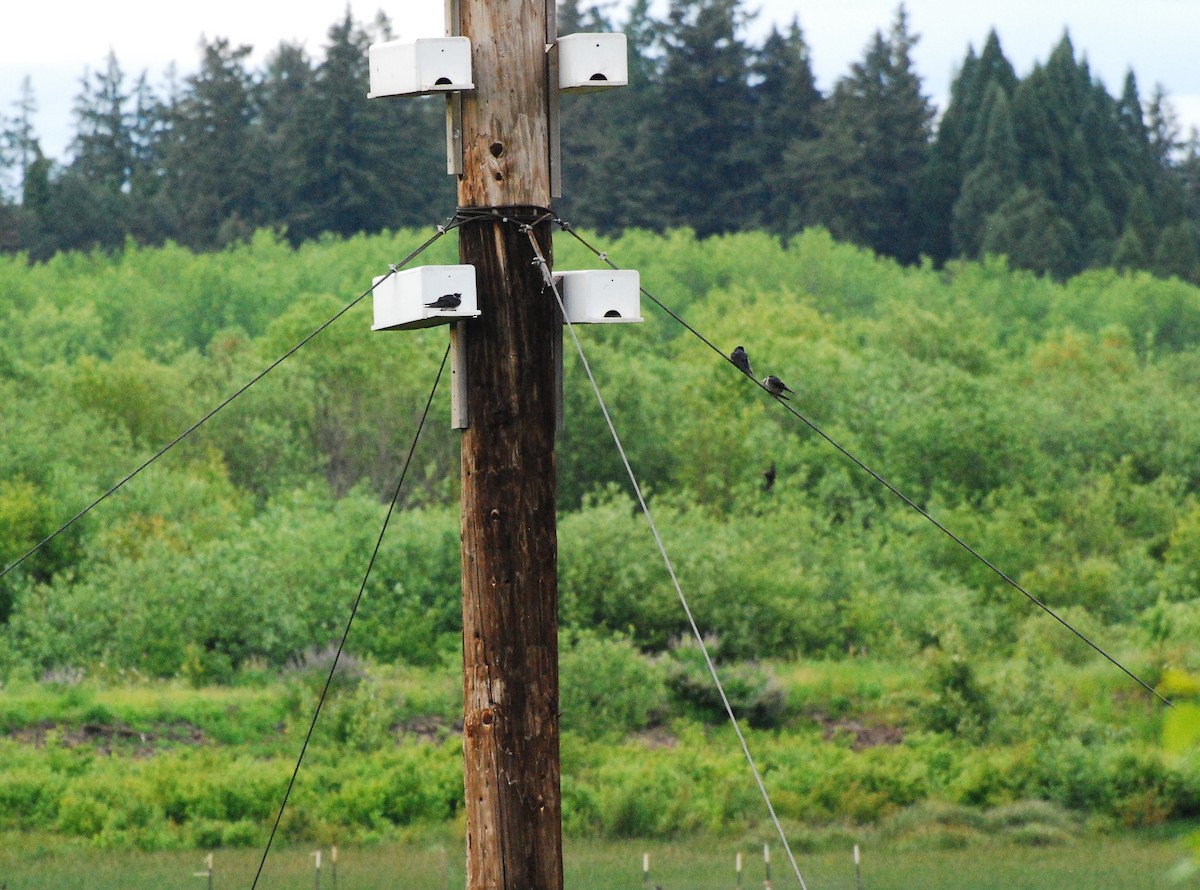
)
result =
(10, 240)
(289, 75)
(990, 182)
(1168, 186)
(1140, 219)
(1139, 235)
(150, 220)
(1047, 111)
(10, 231)
(345, 182)
(36, 204)
(104, 141)
(80, 214)
(35, 187)
(23, 154)
(829, 178)
(1135, 154)
(19, 141)
(90, 201)
(785, 103)
(609, 168)
(994, 70)
(860, 178)
(949, 163)
(1162, 127)
(355, 164)
(6, 164)
(1099, 143)
(1078, 146)
(211, 174)
(1177, 253)
(701, 139)
(60, 209)
(1130, 251)
(1029, 230)
(1188, 172)
(148, 126)
(1101, 236)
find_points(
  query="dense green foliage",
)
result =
(162, 766)
(713, 133)
(1053, 426)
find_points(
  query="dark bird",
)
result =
(446, 301)
(769, 477)
(777, 387)
(741, 361)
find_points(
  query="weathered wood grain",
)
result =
(509, 539)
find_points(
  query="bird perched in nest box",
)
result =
(446, 301)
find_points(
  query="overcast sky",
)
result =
(53, 43)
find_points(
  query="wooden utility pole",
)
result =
(509, 537)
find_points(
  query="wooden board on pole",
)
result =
(509, 537)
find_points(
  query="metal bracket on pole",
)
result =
(459, 418)
(556, 343)
(454, 144)
(552, 97)
(553, 120)
(554, 131)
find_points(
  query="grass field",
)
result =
(1143, 861)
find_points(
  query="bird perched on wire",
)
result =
(446, 301)
(777, 387)
(741, 361)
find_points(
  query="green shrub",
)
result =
(1033, 834)
(362, 718)
(607, 687)
(82, 815)
(655, 801)
(752, 690)
(29, 797)
(1029, 812)
(959, 706)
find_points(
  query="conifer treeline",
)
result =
(713, 133)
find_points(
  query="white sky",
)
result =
(54, 42)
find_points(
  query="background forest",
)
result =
(714, 133)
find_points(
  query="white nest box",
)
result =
(424, 65)
(424, 296)
(601, 296)
(592, 62)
